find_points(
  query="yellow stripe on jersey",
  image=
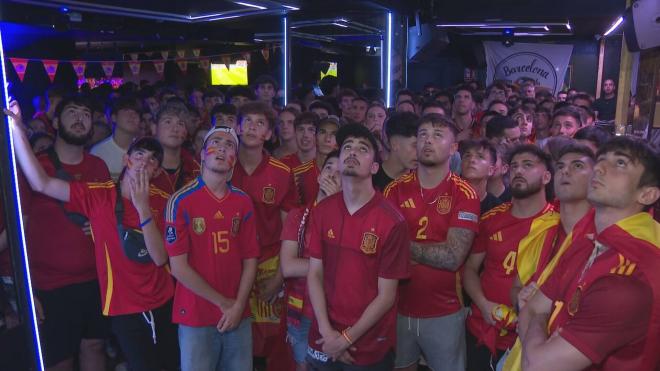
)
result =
(155, 191)
(530, 247)
(303, 168)
(496, 210)
(110, 286)
(465, 185)
(106, 185)
(279, 164)
(469, 191)
(169, 209)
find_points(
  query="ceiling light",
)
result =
(614, 26)
(250, 5)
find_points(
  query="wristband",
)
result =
(344, 333)
(144, 223)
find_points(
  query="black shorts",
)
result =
(72, 313)
(135, 335)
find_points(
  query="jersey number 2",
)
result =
(423, 224)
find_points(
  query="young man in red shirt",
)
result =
(442, 209)
(599, 309)
(61, 249)
(490, 330)
(211, 240)
(179, 167)
(269, 184)
(303, 163)
(136, 289)
(294, 256)
(359, 250)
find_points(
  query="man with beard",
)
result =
(213, 253)
(442, 214)
(491, 326)
(61, 249)
(179, 167)
(600, 307)
(573, 172)
(125, 117)
(461, 112)
(359, 250)
(135, 285)
(606, 104)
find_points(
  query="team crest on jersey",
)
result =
(235, 225)
(369, 242)
(443, 206)
(199, 226)
(268, 195)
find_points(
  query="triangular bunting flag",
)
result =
(159, 66)
(226, 60)
(108, 68)
(196, 52)
(20, 65)
(205, 63)
(79, 67)
(181, 53)
(51, 68)
(134, 56)
(183, 65)
(164, 54)
(265, 52)
(135, 67)
(246, 56)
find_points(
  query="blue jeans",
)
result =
(206, 349)
(297, 338)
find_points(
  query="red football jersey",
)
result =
(356, 250)
(499, 235)
(171, 182)
(297, 294)
(270, 189)
(60, 253)
(127, 287)
(305, 178)
(604, 308)
(430, 213)
(217, 234)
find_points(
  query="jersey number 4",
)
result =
(509, 263)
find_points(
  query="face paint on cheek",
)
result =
(231, 160)
(210, 151)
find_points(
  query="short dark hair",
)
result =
(407, 101)
(444, 93)
(577, 148)
(432, 104)
(240, 91)
(405, 92)
(593, 134)
(265, 79)
(499, 85)
(496, 101)
(346, 92)
(322, 105)
(359, 98)
(125, 103)
(496, 126)
(306, 118)
(583, 96)
(401, 123)
(258, 108)
(358, 131)
(571, 111)
(213, 93)
(148, 144)
(533, 150)
(172, 109)
(224, 108)
(484, 144)
(640, 152)
(73, 100)
(466, 88)
(333, 154)
(437, 120)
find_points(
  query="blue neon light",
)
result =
(285, 67)
(388, 81)
(19, 215)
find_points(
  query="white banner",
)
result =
(544, 63)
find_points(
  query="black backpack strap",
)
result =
(60, 173)
(119, 206)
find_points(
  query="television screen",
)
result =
(236, 74)
(328, 69)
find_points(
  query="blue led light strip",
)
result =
(285, 52)
(19, 217)
(388, 81)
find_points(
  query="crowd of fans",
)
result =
(460, 229)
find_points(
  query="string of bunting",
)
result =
(134, 63)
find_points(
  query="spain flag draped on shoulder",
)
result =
(637, 238)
